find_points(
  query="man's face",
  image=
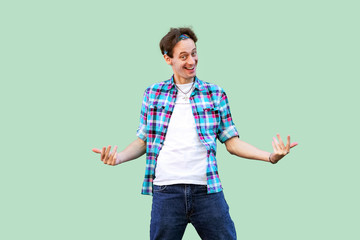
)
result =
(184, 60)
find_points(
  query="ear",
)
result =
(167, 59)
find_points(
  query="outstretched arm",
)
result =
(242, 149)
(135, 149)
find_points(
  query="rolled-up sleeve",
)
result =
(226, 128)
(141, 131)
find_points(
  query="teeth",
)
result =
(190, 68)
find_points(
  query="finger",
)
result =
(107, 154)
(288, 144)
(103, 154)
(282, 146)
(95, 150)
(112, 161)
(293, 144)
(274, 146)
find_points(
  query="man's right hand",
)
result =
(135, 149)
(107, 157)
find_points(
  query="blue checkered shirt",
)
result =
(212, 116)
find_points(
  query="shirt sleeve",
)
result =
(226, 128)
(141, 131)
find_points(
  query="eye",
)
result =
(183, 57)
(194, 54)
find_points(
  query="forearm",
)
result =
(134, 150)
(242, 149)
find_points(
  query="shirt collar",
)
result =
(198, 83)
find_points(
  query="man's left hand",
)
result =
(280, 150)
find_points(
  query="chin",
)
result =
(192, 74)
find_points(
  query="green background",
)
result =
(72, 78)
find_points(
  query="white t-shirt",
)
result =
(183, 158)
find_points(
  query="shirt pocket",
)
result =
(211, 118)
(156, 114)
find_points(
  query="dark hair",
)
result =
(169, 41)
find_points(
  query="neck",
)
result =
(180, 80)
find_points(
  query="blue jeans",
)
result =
(174, 206)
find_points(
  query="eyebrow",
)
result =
(186, 52)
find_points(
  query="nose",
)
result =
(191, 60)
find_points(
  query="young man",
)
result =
(180, 120)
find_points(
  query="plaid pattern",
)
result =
(212, 117)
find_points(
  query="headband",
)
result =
(182, 37)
